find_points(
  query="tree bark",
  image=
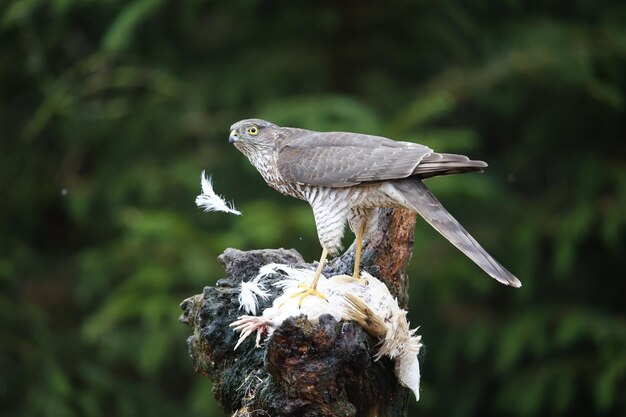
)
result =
(304, 369)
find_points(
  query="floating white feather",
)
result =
(209, 201)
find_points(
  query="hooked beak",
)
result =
(233, 137)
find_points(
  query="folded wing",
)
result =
(337, 159)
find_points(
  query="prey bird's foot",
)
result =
(307, 291)
(249, 324)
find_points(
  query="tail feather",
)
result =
(422, 200)
(359, 311)
(446, 164)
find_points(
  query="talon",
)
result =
(306, 291)
(362, 281)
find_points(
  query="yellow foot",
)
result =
(306, 291)
(361, 280)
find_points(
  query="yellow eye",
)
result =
(253, 130)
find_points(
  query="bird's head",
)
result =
(253, 135)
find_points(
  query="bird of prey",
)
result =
(345, 177)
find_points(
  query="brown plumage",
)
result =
(346, 176)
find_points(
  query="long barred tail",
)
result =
(422, 200)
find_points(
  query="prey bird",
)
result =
(345, 177)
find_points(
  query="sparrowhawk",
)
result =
(345, 177)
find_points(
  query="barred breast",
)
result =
(332, 207)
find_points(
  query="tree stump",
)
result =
(303, 369)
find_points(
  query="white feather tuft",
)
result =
(249, 291)
(407, 369)
(209, 201)
(266, 270)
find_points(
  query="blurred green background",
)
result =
(109, 110)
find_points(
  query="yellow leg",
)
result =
(306, 290)
(320, 267)
(357, 255)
